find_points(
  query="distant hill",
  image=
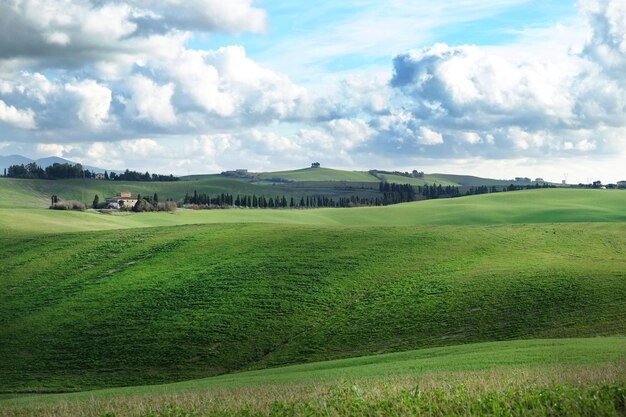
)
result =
(7, 161)
(329, 174)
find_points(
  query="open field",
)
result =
(533, 377)
(519, 207)
(90, 300)
(152, 305)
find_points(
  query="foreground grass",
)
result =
(534, 377)
(153, 305)
(532, 206)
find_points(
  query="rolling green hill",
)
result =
(428, 179)
(320, 174)
(468, 180)
(531, 206)
(162, 304)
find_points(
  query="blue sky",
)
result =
(498, 88)
(289, 20)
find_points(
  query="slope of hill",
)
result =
(519, 207)
(162, 304)
(469, 180)
(428, 179)
(500, 376)
(320, 174)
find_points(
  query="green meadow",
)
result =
(519, 207)
(158, 304)
(502, 304)
(520, 378)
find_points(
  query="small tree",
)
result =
(96, 202)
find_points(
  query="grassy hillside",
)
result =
(524, 366)
(320, 174)
(519, 207)
(161, 304)
(469, 180)
(428, 179)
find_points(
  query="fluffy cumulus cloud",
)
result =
(429, 137)
(93, 101)
(150, 102)
(71, 32)
(497, 104)
(22, 118)
(607, 43)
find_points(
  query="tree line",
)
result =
(59, 171)
(225, 200)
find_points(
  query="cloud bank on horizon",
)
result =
(141, 84)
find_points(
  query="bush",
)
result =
(167, 206)
(69, 205)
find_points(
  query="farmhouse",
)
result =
(123, 200)
(99, 176)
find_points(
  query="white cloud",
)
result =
(470, 137)
(54, 149)
(141, 147)
(350, 133)
(213, 145)
(151, 102)
(271, 142)
(98, 151)
(93, 101)
(21, 118)
(429, 137)
(471, 86)
(71, 32)
(607, 41)
(234, 16)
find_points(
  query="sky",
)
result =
(496, 88)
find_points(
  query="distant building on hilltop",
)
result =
(123, 200)
(522, 179)
(315, 165)
(539, 180)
